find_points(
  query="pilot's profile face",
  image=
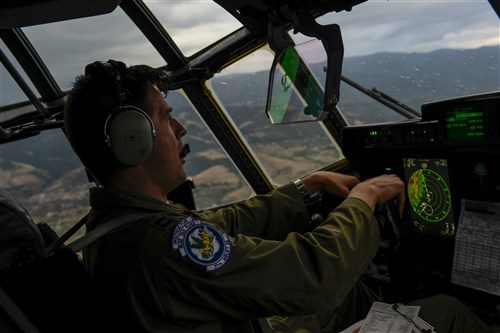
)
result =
(165, 164)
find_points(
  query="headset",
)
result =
(128, 131)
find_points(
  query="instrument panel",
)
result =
(450, 163)
(451, 153)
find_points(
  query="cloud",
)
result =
(194, 23)
(415, 26)
(66, 47)
(174, 13)
(374, 26)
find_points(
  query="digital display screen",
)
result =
(465, 123)
(429, 196)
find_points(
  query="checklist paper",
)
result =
(476, 262)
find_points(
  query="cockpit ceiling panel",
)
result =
(254, 14)
(22, 13)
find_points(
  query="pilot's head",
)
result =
(116, 118)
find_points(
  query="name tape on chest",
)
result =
(201, 243)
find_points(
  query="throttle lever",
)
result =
(389, 222)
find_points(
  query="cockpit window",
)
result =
(45, 175)
(414, 53)
(216, 179)
(410, 52)
(10, 92)
(66, 47)
(285, 151)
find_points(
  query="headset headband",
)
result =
(111, 73)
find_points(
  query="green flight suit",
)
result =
(174, 270)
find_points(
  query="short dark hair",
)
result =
(89, 103)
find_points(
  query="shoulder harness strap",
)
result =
(91, 236)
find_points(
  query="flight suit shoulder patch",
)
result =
(201, 243)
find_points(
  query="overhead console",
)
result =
(450, 163)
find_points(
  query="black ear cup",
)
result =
(129, 135)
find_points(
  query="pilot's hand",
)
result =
(332, 182)
(379, 190)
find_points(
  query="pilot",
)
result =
(177, 270)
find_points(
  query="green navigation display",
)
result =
(429, 196)
(465, 124)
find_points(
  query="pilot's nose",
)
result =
(180, 130)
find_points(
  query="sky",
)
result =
(371, 27)
(418, 26)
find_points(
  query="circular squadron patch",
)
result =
(202, 243)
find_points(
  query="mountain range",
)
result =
(47, 177)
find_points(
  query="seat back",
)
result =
(20, 239)
(54, 292)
